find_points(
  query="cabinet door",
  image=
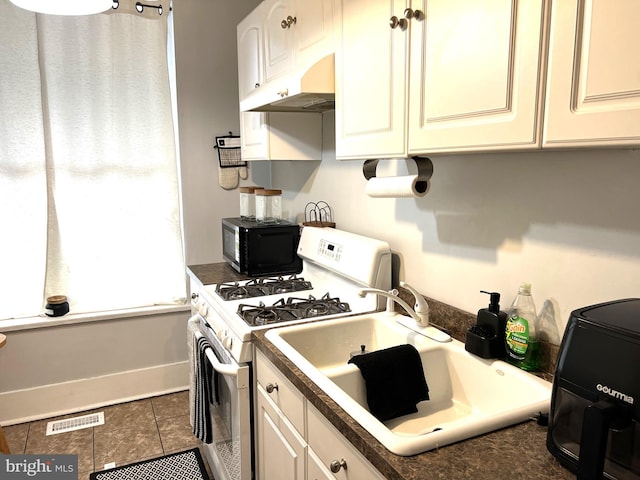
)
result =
(593, 80)
(254, 136)
(475, 79)
(315, 469)
(371, 79)
(327, 445)
(250, 61)
(253, 128)
(281, 450)
(278, 40)
(313, 31)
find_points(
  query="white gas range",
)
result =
(336, 265)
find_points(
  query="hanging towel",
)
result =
(203, 379)
(192, 327)
(394, 380)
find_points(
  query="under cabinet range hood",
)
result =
(309, 90)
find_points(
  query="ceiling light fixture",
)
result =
(64, 7)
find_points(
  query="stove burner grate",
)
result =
(260, 287)
(291, 309)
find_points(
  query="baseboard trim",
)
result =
(48, 401)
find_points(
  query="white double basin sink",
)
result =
(469, 395)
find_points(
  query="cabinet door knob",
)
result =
(286, 23)
(336, 465)
(417, 14)
(270, 387)
(395, 22)
(256, 85)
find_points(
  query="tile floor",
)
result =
(132, 431)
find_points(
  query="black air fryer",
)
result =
(594, 421)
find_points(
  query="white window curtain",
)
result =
(89, 196)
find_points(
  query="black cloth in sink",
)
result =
(394, 379)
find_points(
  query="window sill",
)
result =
(43, 321)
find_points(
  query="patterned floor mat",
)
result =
(187, 465)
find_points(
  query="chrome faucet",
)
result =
(419, 313)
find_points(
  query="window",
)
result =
(89, 188)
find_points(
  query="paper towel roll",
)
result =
(397, 187)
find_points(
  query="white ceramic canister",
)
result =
(248, 202)
(268, 205)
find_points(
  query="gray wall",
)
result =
(207, 79)
(566, 221)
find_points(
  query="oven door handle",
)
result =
(240, 372)
(223, 369)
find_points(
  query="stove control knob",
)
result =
(203, 310)
(227, 342)
(221, 334)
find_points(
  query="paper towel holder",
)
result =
(425, 171)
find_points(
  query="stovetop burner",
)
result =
(260, 287)
(291, 309)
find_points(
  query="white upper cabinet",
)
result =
(296, 32)
(474, 75)
(270, 136)
(250, 52)
(437, 75)
(593, 79)
(278, 37)
(427, 76)
(281, 136)
(254, 130)
(314, 30)
(371, 80)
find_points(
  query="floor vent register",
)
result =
(75, 423)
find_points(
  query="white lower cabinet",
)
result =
(294, 440)
(315, 469)
(281, 449)
(337, 457)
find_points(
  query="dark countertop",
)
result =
(215, 273)
(514, 452)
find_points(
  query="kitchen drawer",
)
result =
(330, 446)
(288, 399)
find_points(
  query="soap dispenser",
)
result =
(486, 337)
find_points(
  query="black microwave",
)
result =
(256, 249)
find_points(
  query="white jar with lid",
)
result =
(268, 205)
(248, 202)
